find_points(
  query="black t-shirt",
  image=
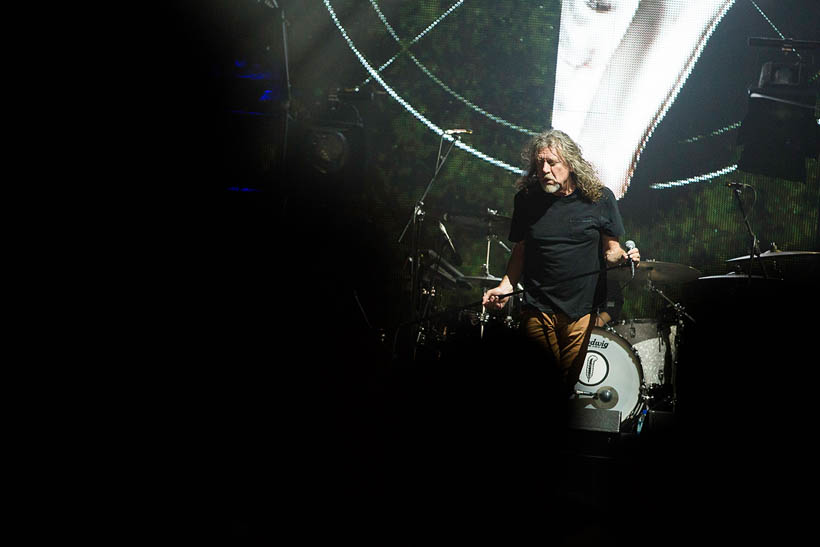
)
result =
(562, 238)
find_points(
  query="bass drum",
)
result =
(611, 370)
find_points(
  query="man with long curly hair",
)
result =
(565, 228)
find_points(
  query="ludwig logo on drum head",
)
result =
(596, 369)
(601, 344)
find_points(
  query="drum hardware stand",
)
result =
(503, 246)
(509, 322)
(416, 220)
(485, 268)
(754, 248)
(679, 310)
(428, 294)
(680, 314)
(484, 317)
(421, 333)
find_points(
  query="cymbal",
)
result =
(777, 254)
(736, 276)
(487, 220)
(483, 280)
(657, 272)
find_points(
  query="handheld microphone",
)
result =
(629, 246)
(455, 131)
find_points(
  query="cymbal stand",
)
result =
(422, 330)
(503, 246)
(754, 248)
(491, 236)
(416, 220)
(484, 317)
(508, 321)
(679, 311)
(680, 314)
(426, 330)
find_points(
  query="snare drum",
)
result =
(611, 365)
(655, 346)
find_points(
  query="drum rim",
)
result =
(621, 341)
(641, 320)
(630, 349)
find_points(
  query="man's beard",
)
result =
(551, 187)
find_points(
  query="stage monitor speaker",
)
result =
(595, 419)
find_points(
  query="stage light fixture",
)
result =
(780, 129)
(334, 142)
(329, 149)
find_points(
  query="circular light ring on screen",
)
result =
(498, 119)
(407, 106)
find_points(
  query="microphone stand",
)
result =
(416, 220)
(754, 250)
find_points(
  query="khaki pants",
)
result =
(566, 340)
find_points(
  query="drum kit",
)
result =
(630, 365)
(634, 360)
